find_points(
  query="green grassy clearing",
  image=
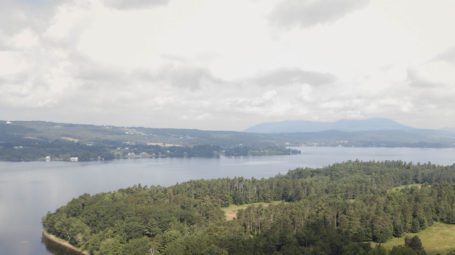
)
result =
(439, 238)
(231, 211)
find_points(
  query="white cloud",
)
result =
(25, 39)
(447, 56)
(305, 13)
(224, 64)
(134, 4)
(290, 76)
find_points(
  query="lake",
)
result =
(29, 190)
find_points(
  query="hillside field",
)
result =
(439, 238)
(231, 211)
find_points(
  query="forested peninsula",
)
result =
(346, 208)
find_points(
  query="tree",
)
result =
(402, 250)
(378, 250)
(111, 246)
(416, 244)
(140, 246)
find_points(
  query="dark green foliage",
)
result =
(138, 246)
(334, 210)
(378, 250)
(416, 244)
(402, 250)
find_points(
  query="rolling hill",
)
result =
(299, 126)
(39, 140)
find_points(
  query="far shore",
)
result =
(63, 243)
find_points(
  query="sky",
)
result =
(227, 64)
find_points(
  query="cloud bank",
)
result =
(306, 13)
(290, 76)
(134, 4)
(224, 64)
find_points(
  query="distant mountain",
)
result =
(300, 126)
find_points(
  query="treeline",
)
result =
(60, 150)
(36, 140)
(339, 209)
(204, 151)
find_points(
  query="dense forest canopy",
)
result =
(338, 209)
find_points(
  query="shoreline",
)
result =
(139, 159)
(63, 243)
(237, 156)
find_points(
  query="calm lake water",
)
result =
(29, 190)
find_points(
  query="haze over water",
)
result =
(29, 190)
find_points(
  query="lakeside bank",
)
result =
(63, 244)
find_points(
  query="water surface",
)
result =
(29, 190)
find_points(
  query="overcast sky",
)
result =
(227, 64)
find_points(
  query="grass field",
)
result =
(231, 211)
(439, 238)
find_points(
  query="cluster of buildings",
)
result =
(71, 159)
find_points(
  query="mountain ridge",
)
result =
(346, 125)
